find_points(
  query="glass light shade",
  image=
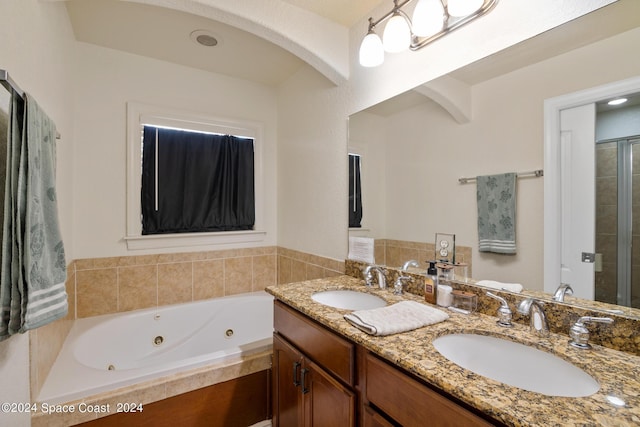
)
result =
(397, 34)
(428, 18)
(463, 7)
(371, 51)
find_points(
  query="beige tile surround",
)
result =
(99, 286)
(394, 253)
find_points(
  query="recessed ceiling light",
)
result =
(204, 38)
(617, 101)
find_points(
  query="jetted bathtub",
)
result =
(106, 352)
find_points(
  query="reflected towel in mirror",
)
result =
(511, 287)
(496, 195)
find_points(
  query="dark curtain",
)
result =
(355, 196)
(205, 182)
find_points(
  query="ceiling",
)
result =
(163, 34)
(606, 22)
(344, 12)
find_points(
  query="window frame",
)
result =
(139, 114)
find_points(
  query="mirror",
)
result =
(485, 118)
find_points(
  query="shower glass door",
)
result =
(617, 269)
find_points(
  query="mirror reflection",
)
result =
(485, 119)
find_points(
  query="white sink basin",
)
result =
(517, 365)
(348, 300)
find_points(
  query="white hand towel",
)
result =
(401, 317)
(512, 287)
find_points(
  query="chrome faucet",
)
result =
(410, 263)
(538, 322)
(580, 334)
(562, 290)
(368, 276)
(504, 312)
(400, 282)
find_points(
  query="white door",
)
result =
(577, 198)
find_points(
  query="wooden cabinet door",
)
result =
(287, 394)
(326, 401)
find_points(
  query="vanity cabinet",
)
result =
(318, 376)
(407, 401)
(313, 373)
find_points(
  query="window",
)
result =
(355, 192)
(204, 225)
(196, 181)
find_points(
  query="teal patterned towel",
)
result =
(497, 213)
(32, 281)
(44, 260)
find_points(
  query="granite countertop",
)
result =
(616, 371)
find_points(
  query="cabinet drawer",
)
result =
(328, 350)
(411, 403)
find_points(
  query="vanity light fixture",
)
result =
(617, 101)
(431, 20)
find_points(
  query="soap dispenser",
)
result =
(431, 283)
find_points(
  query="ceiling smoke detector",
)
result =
(204, 38)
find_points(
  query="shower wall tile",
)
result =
(295, 266)
(208, 279)
(96, 292)
(264, 271)
(238, 275)
(284, 269)
(137, 287)
(394, 253)
(175, 283)
(116, 284)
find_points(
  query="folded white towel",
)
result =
(400, 317)
(512, 287)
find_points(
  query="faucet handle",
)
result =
(397, 287)
(504, 312)
(580, 334)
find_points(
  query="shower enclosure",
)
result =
(617, 269)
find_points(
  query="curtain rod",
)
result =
(11, 86)
(536, 173)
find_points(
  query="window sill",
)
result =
(159, 241)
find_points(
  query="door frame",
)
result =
(552, 212)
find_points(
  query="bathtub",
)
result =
(106, 352)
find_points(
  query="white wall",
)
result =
(106, 80)
(36, 48)
(427, 151)
(312, 165)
